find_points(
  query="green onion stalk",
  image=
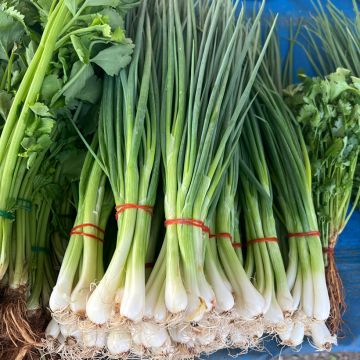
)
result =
(42, 269)
(63, 218)
(156, 234)
(327, 110)
(205, 92)
(264, 263)
(29, 120)
(130, 156)
(290, 170)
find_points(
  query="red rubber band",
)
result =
(304, 234)
(221, 236)
(206, 229)
(237, 245)
(260, 240)
(226, 236)
(87, 235)
(88, 225)
(74, 232)
(121, 208)
(328, 250)
(149, 265)
(192, 222)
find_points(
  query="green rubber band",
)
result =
(7, 215)
(39, 249)
(24, 204)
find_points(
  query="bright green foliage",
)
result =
(328, 110)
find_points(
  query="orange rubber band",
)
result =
(260, 240)
(226, 236)
(221, 236)
(328, 250)
(121, 208)
(88, 225)
(206, 229)
(237, 245)
(304, 234)
(92, 236)
(192, 222)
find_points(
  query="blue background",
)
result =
(348, 248)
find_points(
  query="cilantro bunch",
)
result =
(328, 110)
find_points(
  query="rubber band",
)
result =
(260, 240)
(237, 245)
(88, 225)
(221, 236)
(121, 208)
(304, 234)
(149, 265)
(87, 235)
(206, 229)
(7, 215)
(328, 250)
(92, 236)
(39, 249)
(24, 204)
(192, 222)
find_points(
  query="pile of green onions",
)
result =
(160, 195)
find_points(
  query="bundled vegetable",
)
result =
(206, 84)
(83, 264)
(130, 154)
(290, 171)
(264, 261)
(328, 112)
(338, 36)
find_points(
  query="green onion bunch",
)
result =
(264, 263)
(206, 81)
(83, 263)
(290, 171)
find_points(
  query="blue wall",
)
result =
(298, 9)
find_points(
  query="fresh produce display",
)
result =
(164, 191)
